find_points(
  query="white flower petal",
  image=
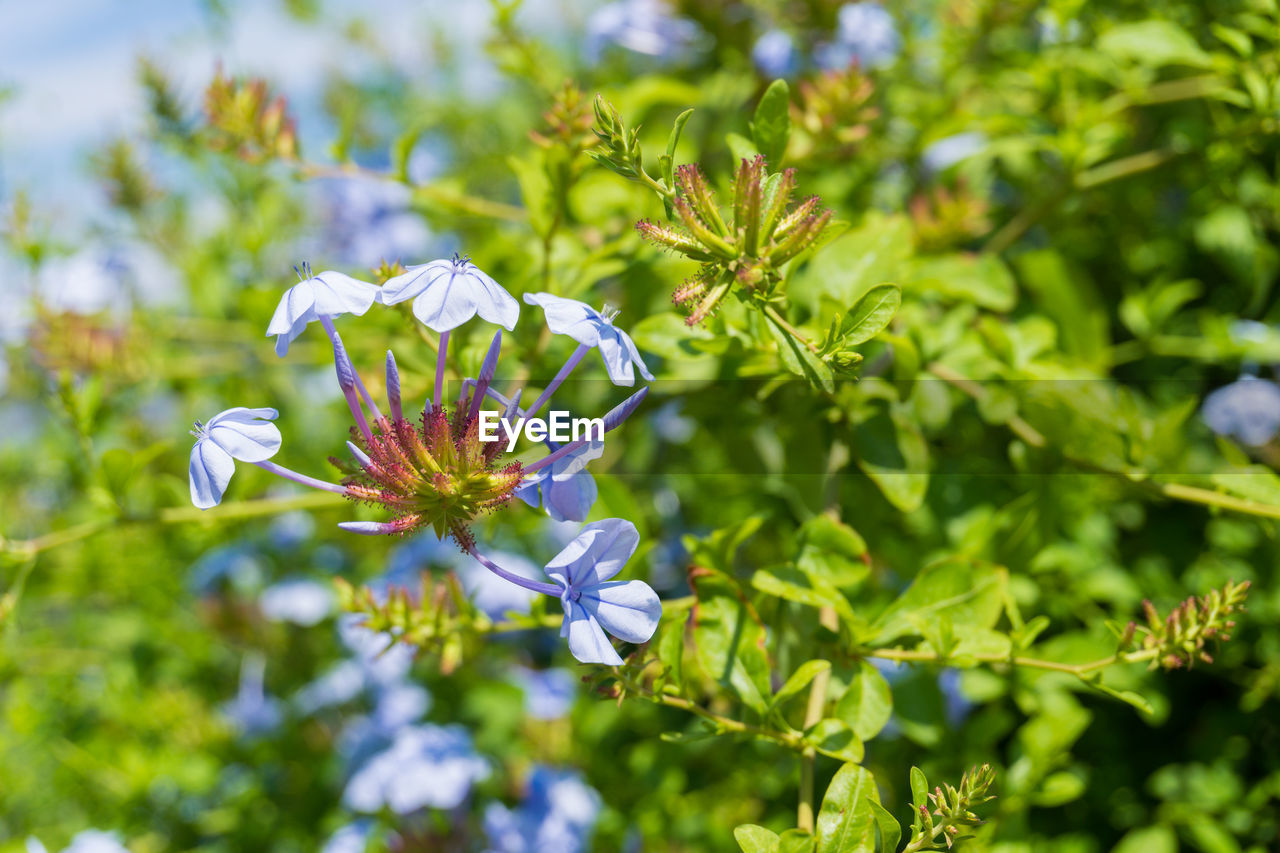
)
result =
(629, 610)
(617, 360)
(598, 553)
(209, 472)
(246, 434)
(569, 317)
(587, 640)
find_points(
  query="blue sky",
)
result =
(71, 66)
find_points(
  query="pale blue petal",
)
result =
(337, 294)
(617, 361)
(587, 640)
(246, 434)
(209, 472)
(493, 303)
(294, 306)
(569, 498)
(414, 281)
(629, 610)
(635, 355)
(598, 553)
(569, 317)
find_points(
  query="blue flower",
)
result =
(1248, 409)
(352, 838)
(557, 814)
(548, 693)
(865, 33)
(567, 490)
(88, 841)
(629, 610)
(322, 296)
(590, 328)
(774, 54)
(367, 221)
(949, 150)
(237, 433)
(640, 26)
(425, 766)
(448, 293)
(253, 712)
(300, 601)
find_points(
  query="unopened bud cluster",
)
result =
(619, 147)
(952, 810)
(946, 218)
(1180, 638)
(835, 109)
(245, 120)
(568, 123)
(749, 246)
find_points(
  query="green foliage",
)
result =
(923, 479)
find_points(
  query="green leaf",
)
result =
(795, 841)
(867, 703)
(798, 358)
(755, 839)
(1154, 43)
(800, 679)
(535, 190)
(771, 127)
(730, 642)
(855, 261)
(1149, 839)
(833, 551)
(846, 823)
(669, 159)
(968, 593)
(893, 453)
(919, 787)
(890, 829)
(834, 738)
(795, 585)
(983, 280)
(871, 314)
(740, 147)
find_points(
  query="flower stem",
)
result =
(812, 716)
(1173, 491)
(773, 314)
(301, 479)
(536, 586)
(555, 383)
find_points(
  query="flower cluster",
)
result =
(245, 120)
(952, 810)
(747, 248)
(835, 109)
(432, 470)
(944, 218)
(1180, 638)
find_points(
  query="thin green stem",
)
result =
(773, 314)
(1172, 491)
(1077, 669)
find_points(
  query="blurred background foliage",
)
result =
(1079, 203)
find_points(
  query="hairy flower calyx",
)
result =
(749, 248)
(436, 473)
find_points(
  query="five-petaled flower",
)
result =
(322, 296)
(594, 604)
(592, 328)
(448, 293)
(238, 433)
